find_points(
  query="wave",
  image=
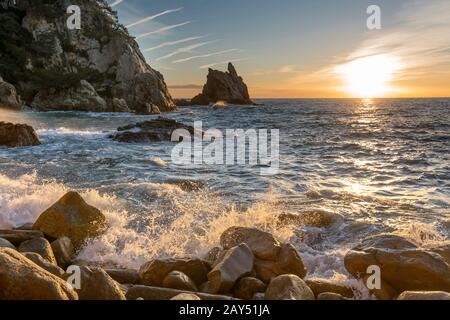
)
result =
(63, 131)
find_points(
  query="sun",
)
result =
(369, 77)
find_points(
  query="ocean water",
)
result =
(378, 166)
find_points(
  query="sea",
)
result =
(375, 166)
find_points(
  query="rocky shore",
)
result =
(248, 264)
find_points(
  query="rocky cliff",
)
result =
(223, 86)
(95, 68)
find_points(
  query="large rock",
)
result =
(236, 263)
(288, 262)
(64, 251)
(263, 244)
(319, 286)
(186, 296)
(119, 105)
(160, 129)
(125, 276)
(96, 284)
(424, 295)
(223, 86)
(288, 287)
(17, 135)
(21, 279)
(16, 237)
(246, 288)
(40, 246)
(178, 280)
(153, 272)
(155, 293)
(8, 96)
(72, 217)
(6, 244)
(44, 264)
(403, 266)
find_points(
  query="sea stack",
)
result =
(227, 86)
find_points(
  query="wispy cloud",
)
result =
(149, 18)
(163, 29)
(115, 3)
(206, 66)
(185, 49)
(205, 55)
(186, 86)
(172, 43)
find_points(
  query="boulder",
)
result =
(331, 296)
(82, 97)
(424, 295)
(9, 98)
(178, 280)
(153, 272)
(263, 244)
(63, 251)
(160, 129)
(155, 293)
(319, 286)
(403, 266)
(44, 264)
(6, 244)
(186, 297)
(16, 237)
(246, 288)
(235, 264)
(125, 276)
(288, 287)
(223, 86)
(72, 217)
(313, 218)
(96, 284)
(17, 135)
(119, 105)
(288, 262)
(148, 109)
(26, 226)
(22, 279)
(40, 246)
(213, 255)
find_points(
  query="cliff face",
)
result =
(54, 68)
(223, 86)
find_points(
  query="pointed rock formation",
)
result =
(223, 86)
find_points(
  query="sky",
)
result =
(297, 48)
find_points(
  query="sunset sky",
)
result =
(297, 48)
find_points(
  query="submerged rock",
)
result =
(288, 287)
(228, 87)
(17, 135)
(22, 279)
(160, 129)
(9, 98)
(72, 217)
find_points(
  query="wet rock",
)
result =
(235, 264)
(223, 86)
(186, 296)
(9, 98)
(246, 288)
(125, 276)
(206, 288)
(148, 109)
(17, 135)
(96, 284)
(40, 246)
(319, 286)
(182, 103)
(424, 295)
(44, 264)
(16, 237)
(331, 296)
(263, 244)
(155, 293)
(178, 280)
(288, 262)
(386, 241)
(288, 287)
(26, 226)
(22, 279)
(385, 292)
(6, 244)
(157, 130)
(63, 251)
(313, 218)
(72, 217)
(81, 97)
(403, 267)
(153, 272)
(213, 255)
(119, 105)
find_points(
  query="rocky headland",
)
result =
(248, 264)
(96, 68)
